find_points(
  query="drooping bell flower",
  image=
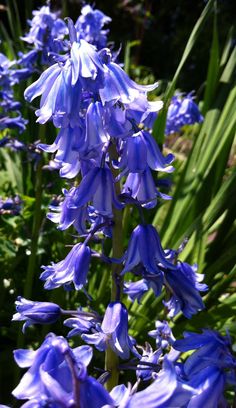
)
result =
(145, 248)
(97, 186)
(140, 150)
(118, 87)
(65, 214)
(73, 269)
(184, 286)
(141, 187)
(68, 145)
(35, 312)
(89, 26)
(113, 332)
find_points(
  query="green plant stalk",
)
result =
(111, 359)
(35, 233)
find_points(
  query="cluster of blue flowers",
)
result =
(10, 205)
(181, 112)
(104, 140)
(10, 116)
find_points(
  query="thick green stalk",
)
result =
(111, 359)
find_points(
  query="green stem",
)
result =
(35, 233)
(111, 359)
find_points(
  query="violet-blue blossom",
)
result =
(73, 269)
(144, 372)
(209, 368)
(145, 248)
(184, 286)
(181, 112)
(35, 312)
(10, 205)
(97, 186)
(140, 150)
(89, 26)
(165, 392)
(55, 374)
(46, 34)
(163, 334)
(113, 332)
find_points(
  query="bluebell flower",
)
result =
(209, 368)
(10, 205)
(166, 391)
(140, 150)
(141, 187)
(211, 349)
(89, 26)
(74, 268)
(60, 101)
(142, 111)
(96, 134)
(46, 34)
(118, 87)
(55, 374)
(35, 312)
(97, 186)
(184, 286)
(10, 117)
(81, 323)
(181, 112)
(136, 290)
(145, 248)
(113, 332)
(144, 372)
(163, 334)
(66, 214)
(67, 146)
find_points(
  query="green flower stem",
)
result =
(111, 359)
(35, 233)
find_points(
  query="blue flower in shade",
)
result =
(181, 112)
(140, 150)
(96, 134)
(74, 268)
(113, 332)
(56, 373)
(10, 117)
(209, 368)
(142, 111)
(145, 248)
(46, 33)
(166, 391)
(97, 186)
(81, 323)
(66, 214)
(211, 349)
(141, 187)
(163, 334)
(68, 144)
(35, 312)
(184, 286)
(136, 290)
(10, 206)
(144, 372)
(89, 26)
